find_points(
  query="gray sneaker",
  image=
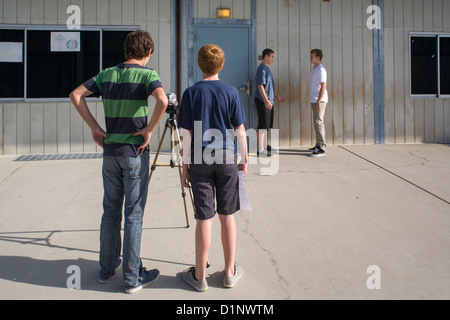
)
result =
(189, 277)
(230, 282)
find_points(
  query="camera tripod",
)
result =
(175, 160)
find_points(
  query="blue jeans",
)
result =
(125, 183)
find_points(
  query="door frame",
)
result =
(193, 22)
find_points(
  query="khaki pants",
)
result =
(319, 124)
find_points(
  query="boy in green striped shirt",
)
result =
(125, 90)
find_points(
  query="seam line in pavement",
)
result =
(396, 175)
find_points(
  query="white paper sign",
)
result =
(243, 196)
(65, 42)
(11, 52)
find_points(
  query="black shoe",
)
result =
(319, 152)
(313, 149)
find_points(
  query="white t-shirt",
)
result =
(318, 76)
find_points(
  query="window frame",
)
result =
(437, 36)
(26, 28)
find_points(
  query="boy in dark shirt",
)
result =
(210, 112)
(125, 90)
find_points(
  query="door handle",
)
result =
(247, 87)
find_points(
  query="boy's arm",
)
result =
(186, 141)
(78, 98)
(323, 88)
(279, 98)
(262, 91)
(242, 145)
(160, 108)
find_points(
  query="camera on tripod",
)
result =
(172, 106)
(175, 148)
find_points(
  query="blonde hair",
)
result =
(211, 59)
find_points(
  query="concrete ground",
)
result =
(317, 228)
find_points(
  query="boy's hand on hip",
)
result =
(147, 137)
(99, 136)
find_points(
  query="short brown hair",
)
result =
(318, 53)
(211, 58)
(138, 44)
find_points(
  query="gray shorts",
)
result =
(215, 182)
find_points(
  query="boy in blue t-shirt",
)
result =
(265, 100)
(210, 112)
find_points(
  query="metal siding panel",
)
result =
(389, 86)
(282, 85)
(103, 12)
(409, 104)
(140, 12)
(399, 91)
(23, 128)
(63, 127)
(358, 86)
(294, 94)
(419, 122)
(76, 131)
(306, 130)
(50, 128)
(37, 12)
(9, 11)
(23, 11)
(37, 128)
(213, 5)
(89, 12)
(368, 81)
(128, 12)
(10, 129)
(1, 11)
(326, 46)
(115, 12)
(439, 126)
(429, 121)
(447, 120)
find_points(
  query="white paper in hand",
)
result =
(245, 202)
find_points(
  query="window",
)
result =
(11, 64)
(430, 65)
(48, 63)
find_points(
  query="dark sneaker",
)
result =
(230, 282)
(147, 278)
(105, 280)
(318, 153)
(189, 277)
(313, 149)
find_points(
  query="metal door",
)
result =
(236, 42)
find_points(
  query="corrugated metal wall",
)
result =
(292, 28)
(338, 27)
(412, 120)
(35, 128)
(206, 9)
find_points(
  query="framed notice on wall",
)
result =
(11, 52)
(65, 42)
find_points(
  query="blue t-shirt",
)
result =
(264, 77)
(215, 108)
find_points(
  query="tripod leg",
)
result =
(153, 168)
(183, 192)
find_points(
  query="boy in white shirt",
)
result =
(319, 100)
